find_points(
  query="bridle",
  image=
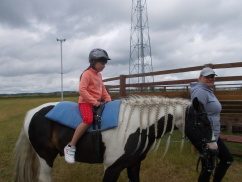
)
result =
(207, 155)
(202, 126)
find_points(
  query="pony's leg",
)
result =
(45, 171)
(112, 173)
(133, 172)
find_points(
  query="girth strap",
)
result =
(97, 137)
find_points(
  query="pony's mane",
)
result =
(137, 99)
(156, 102)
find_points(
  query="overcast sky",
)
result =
(183, 33)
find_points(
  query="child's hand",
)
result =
(106, 101)
(97, 104)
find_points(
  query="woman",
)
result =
(92, 91)
(203, 90)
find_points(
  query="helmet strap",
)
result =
(93, 67)
(92, 63)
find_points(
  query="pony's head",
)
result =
(198, 127)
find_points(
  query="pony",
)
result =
(142, 121)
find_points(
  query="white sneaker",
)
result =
(70, 154)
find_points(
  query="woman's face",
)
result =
(99, 66)
(207, 80)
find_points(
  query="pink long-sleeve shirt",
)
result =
(91, 87)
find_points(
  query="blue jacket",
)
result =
(212, 105)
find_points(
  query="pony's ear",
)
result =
(196, 103)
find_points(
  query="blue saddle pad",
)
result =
(68, 114)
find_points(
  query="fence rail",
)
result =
(168, 87)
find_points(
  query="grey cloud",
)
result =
(183, 33)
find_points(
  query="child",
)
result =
(91, 90)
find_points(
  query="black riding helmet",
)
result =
(98, 55)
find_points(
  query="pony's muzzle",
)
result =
(213, 152)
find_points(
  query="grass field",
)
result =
(175, 166)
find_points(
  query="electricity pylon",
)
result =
(140, 60)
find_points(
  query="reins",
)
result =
(208, 156)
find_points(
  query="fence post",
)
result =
(229, 127)
(122, 86)
(187, 89)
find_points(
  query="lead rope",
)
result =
(208, 166)
(198, 162)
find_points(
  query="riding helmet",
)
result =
(98, 55)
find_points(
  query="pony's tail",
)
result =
(26, 160)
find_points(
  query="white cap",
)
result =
(207, 71)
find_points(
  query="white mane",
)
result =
(150, 109)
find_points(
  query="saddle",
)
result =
(97, 116)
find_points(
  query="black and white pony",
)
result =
(142, 122)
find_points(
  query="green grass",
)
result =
(175, 166)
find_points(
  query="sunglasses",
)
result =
(210, 76)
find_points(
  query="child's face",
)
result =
(100, 66)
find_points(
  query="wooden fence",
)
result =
(173, 88)
(228, 93)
